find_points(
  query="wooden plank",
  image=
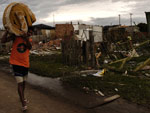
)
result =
(92, 49)
(142, 65)
(124, 61)
(106, 101)
(87, 53)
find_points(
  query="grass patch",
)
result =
(133, 89)
(50, 66)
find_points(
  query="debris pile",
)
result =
(46, 48)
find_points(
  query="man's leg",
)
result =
(21, 93)
(19, 73)
(24, 86)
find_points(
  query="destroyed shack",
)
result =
(81, 45)
(42, 34)
(119, 40)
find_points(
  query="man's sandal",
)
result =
(24, 108)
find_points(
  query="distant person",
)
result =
(19, 59)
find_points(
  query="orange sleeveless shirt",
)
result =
(20, 53)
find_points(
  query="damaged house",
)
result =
(43, 32)
(82, 32)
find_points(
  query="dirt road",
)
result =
(39, 102)
(43, 101)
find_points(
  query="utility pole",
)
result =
(148, 20)
(131, 19)
(53, 20)
(119, 20)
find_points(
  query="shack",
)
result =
(43, 32)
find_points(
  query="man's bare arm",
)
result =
(28, 43)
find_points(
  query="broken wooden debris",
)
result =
(98, 92)
(133, 53)
(120, 60)
(146, 68)
(143, 43)
(109, 99)
(124, 61)
(142, 65)
(106, 101)
(86, 72)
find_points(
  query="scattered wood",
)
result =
(142, 65)
(146, 68)
(109, 99)
(86, 71)
(124, 61)
(143, 43)
(120, 60)
(106, 101)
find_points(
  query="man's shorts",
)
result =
(20, 73)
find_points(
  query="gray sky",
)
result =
(96, 12)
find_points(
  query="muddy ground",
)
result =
(43, 101)
(39, 102)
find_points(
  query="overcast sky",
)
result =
(96, 12)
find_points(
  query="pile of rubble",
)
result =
(46, 48)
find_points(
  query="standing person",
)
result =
(19, 59)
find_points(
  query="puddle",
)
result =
(55, 85)
(45, 82)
